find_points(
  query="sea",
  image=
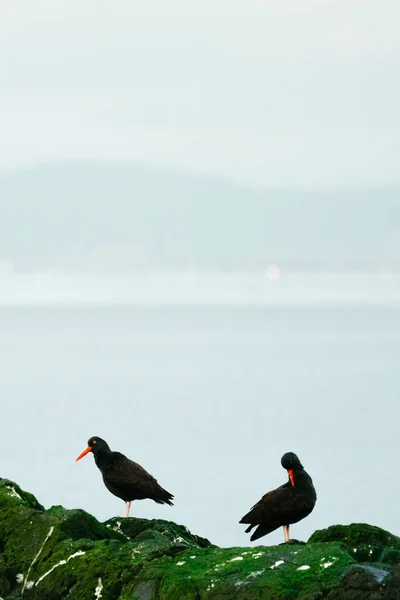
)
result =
(206, 384)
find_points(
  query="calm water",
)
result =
(207, 399)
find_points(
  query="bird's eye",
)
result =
(94, 442)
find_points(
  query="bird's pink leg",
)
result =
(128, 508)
(286, 532)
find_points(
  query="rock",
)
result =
(59, 554)
(366, 543)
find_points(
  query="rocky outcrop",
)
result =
(67, 554)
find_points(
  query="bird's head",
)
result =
(95, 445)
(290, 461)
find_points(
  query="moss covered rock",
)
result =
(58, 553)
(365, 543)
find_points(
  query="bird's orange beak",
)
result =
(88, 449)
(290, 471)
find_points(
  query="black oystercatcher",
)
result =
(288, 504)
(123, 477)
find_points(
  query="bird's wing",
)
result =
(126, 471)
(128, 480)
(273, 506)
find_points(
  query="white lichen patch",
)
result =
(19, 578)
(258, 554)
(371, 552)
(303, 568)
(244, 553)
(194, 556)
(327, 561)
(98, 589)
(236, 558)
(255, 574)
(118, 529)
(29, 584)
(13, 492)
(277, 564)
(354, 549)
(180, 563)
(49, 534)
(62, 562)
(137, 550)
(211, 585)
(179, 540)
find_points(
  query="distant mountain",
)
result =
(85, 214)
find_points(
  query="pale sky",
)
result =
(279, 92)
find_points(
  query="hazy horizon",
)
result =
(85, 216)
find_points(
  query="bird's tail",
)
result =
(247, 519)
(263, 529)
(164, 497)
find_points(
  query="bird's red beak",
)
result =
(290, 472)
(88, 449)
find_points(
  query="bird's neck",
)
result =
(103, 458)
(302, 479)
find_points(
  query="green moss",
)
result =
(77, 524)
(366, 543)
(12, 495)
(356, 533)
(284, 571)
(132, 528)
(58, 554)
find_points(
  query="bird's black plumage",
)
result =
(286, 504)
(123, 477)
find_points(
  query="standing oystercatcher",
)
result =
(123, 477)
(288, 504)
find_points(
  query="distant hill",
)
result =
(80, 214)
